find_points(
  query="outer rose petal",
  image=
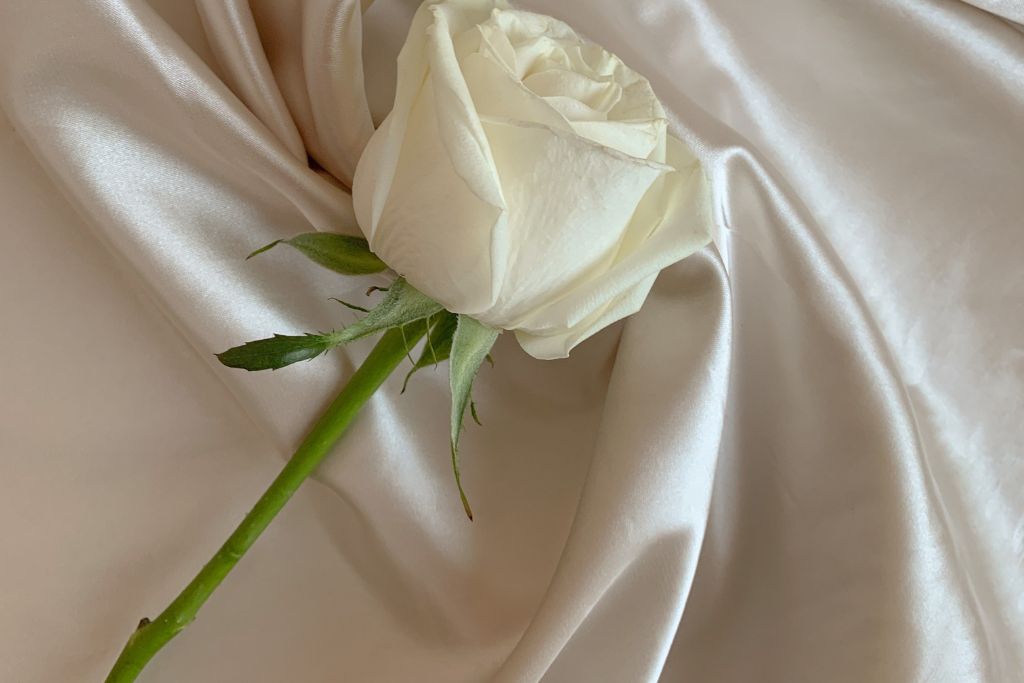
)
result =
(560, 344)
(460, 128)
(372, 183)
(670, 225)
(434, 229)
(432, 211)
(569, 202)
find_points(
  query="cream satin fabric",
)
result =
(800, 461)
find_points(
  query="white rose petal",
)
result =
(525, 176)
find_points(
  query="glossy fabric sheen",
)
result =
(801, 461)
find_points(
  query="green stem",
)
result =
(153, 635)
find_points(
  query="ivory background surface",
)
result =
(800, 461)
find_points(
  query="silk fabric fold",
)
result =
(800, 461)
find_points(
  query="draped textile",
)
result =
(802, 460)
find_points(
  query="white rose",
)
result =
(525, 177)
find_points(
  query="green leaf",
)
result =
(471, 343)
(340, 253)
(262, 249)
(402, 304)
(438, 345)
(276, 352)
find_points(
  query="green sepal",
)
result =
(402, 304)
(340, 253)
(471, 343)
(276, 352)
(349, 306)
(438, 346)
